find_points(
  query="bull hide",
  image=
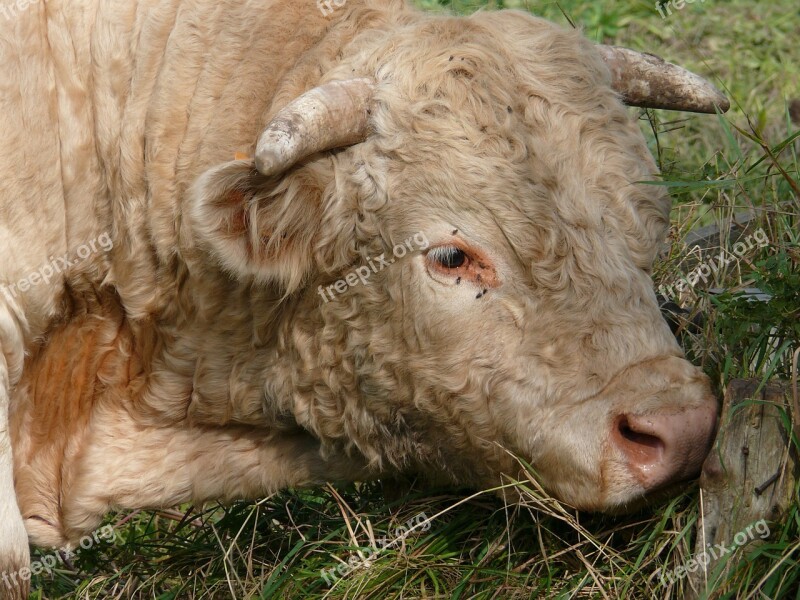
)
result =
(162, 333)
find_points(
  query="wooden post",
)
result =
(749, 476)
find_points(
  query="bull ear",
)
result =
(258, 219)
(256, 225)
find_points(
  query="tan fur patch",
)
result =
(79, 363)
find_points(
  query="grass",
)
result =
(476, 546)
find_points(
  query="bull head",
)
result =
(530, 322)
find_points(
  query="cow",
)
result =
(255, 245)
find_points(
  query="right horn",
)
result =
(332, 115)
(649, 81)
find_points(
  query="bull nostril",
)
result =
(638, 437)
(644, 446)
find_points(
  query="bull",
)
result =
(253, 245)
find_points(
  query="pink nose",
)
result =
(668, 447)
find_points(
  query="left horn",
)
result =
(329, 116)
(651, 82)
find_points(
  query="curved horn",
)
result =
(649, 81)
(329, 116)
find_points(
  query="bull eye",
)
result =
(448, 257)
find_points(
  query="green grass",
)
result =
(477, 546)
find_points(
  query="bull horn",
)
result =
(329, 116)
(649, 81)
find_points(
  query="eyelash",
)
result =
(448, 258)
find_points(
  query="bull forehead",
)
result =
(564, 223)
(512, 120)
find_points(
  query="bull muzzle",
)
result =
(663, 424)
(665, 448)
